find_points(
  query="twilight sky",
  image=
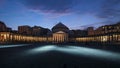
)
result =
(76, 14)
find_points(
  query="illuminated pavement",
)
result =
(53, 56)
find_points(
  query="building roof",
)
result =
(60, 32)
(60, 27)
(2, 23)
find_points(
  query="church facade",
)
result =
(60, 33)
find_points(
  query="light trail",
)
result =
(89, 52)
(9, 46)
(79, 51)
(42, 49)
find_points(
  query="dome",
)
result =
(2, 23)
(60, 27)
(2, 26)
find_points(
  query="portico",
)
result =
(60, 37)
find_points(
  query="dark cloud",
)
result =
(110, 9)
(50, 6)
(63, 6)
(102, 8)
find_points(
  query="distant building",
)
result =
(38, 31)
(90, 31)
(46, 32)
(106, 29)
(3, 27)
(109, 29)
(60, 33)
(80, 33)
(15, 31)
(9, 29)
(25, 30)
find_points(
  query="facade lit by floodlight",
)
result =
(60, 33)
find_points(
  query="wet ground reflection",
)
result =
(54, 56)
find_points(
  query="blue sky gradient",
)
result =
(76, 14)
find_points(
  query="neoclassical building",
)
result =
(60, 33)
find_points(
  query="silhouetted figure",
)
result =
(65, 66)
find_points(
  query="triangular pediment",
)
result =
(60, 32)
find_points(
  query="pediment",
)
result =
(60, 32)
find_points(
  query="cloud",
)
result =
(110, 9)
(50, 6)
(63, 6)
(56, 8)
